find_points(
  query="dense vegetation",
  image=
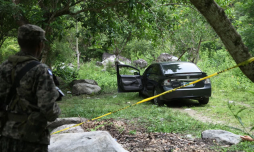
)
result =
(135, 29)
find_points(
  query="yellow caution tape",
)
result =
(148, 99)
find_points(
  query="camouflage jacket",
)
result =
(36, 105)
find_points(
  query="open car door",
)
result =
(128, 79)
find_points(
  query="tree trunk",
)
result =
(197, 53)
(47, 49)
(217, 18)
(45, 54)
(182, 55)
(77, 52)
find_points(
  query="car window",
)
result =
(157, 70)
(149, 70)
(127, 71)
(180, 68)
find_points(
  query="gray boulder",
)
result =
(109, 59)
(98, 141)
(85, 88)
(76, 129)
(64, 121)
(140, 63)
(221, 136)
(89, 81)
(106, 55)
(165, 57)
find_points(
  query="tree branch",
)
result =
(100, 8)
(176, 4)
(20, 20)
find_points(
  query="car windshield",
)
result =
(180, 68)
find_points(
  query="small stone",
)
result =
(230, 102)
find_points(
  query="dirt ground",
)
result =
(135, 138)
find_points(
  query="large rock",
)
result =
(106, 56)
(89, 81)
(98, 141)
(76, 129)
(64, 121)
(109, 59)
(221, 136)
(140, 63)
(85, 88)
(165, 57)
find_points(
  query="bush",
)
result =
(9, 47)
(65, 72)
(107, 80)
(233, 79)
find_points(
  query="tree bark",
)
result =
(77, 51)
(182, 55)
(197, 52)
(47, 48)
(217, 18)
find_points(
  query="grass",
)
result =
(218, 109)
(152, 117)
(229, 86)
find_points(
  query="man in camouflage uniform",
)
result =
(24, 112)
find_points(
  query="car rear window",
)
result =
(180, 68)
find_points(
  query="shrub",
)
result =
(65, 72)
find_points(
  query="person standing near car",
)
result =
(27, 96)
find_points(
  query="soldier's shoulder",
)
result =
(43, 67)
(5, 65)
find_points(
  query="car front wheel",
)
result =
(203, 100)
(157, 101)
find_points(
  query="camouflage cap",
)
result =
(29, 31)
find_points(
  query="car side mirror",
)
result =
(136, 73)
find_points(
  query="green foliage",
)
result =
(106, 79)
(237, 116)
(8, 26)
(244, 23)
(9, 47)
(97, 127)
(62, 52)
(110, 68)
(153, 118)
(219, 60)
(140, 49)
(132, 132)
(65, 72)
(87, 54)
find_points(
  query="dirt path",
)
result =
(198, 116)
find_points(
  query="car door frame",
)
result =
(149, 81)
(129, 83)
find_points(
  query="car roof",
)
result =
(171, 62)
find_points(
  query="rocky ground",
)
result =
(135, 138)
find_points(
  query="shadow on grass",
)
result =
(181, 103)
